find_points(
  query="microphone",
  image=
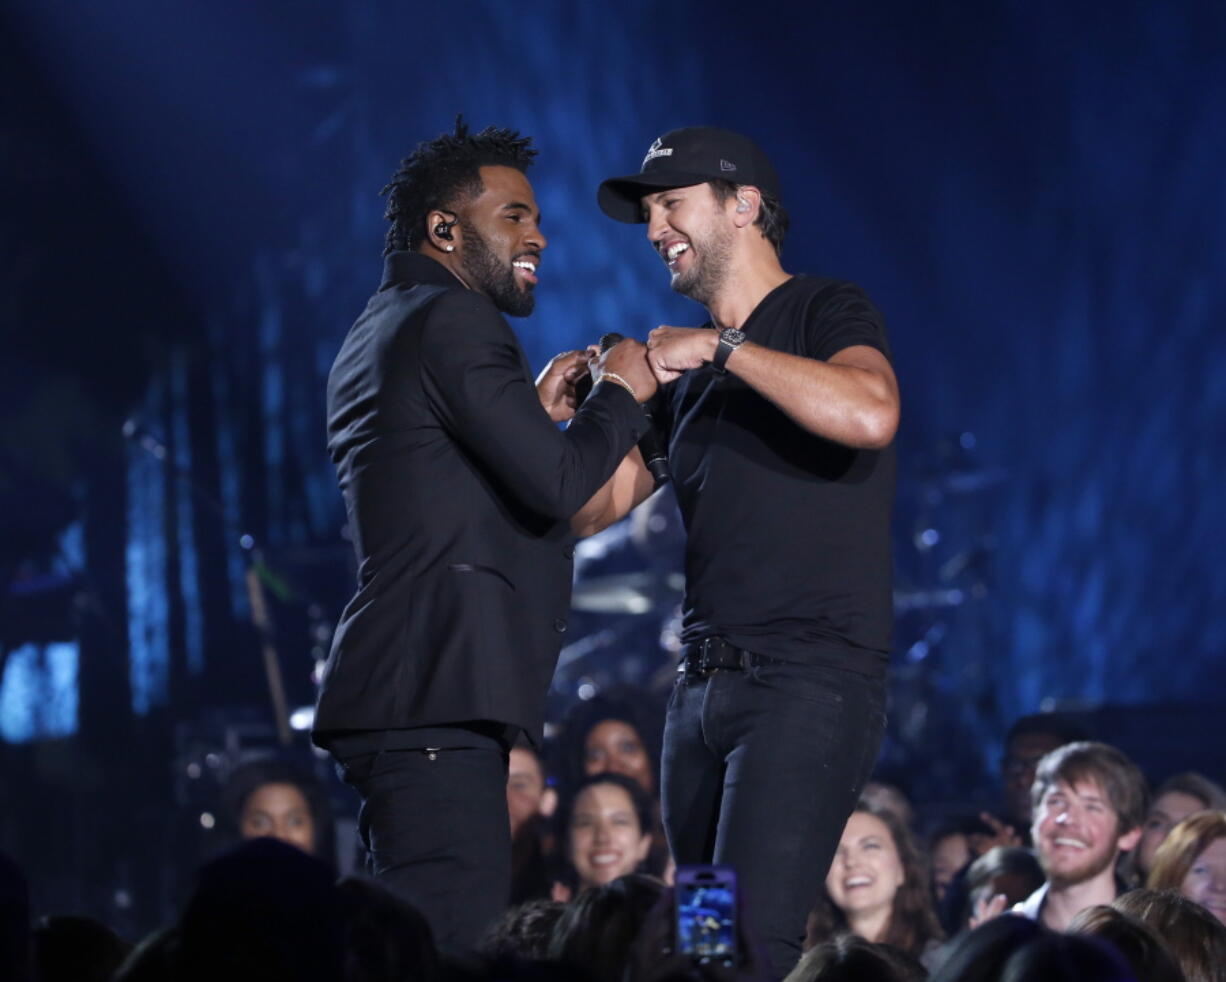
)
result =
(583, 387)
(650, 445)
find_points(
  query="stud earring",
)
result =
(449, 248)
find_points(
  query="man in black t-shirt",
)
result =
(778, 416)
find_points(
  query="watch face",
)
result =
(730, 335)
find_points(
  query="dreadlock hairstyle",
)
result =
(444, 171)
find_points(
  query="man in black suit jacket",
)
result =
(459, 488)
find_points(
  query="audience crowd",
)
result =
(1077, 872)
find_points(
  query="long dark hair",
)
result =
(913, 922)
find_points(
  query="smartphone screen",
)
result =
(706, 912)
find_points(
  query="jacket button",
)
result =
(559, 625)
(569, 552)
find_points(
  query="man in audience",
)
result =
(1089, 800)
(1029, 739)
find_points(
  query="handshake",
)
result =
(639, 368)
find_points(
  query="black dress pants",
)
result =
(761, 767)
(436, 831)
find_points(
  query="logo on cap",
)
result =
(725, 166)
(654, 151)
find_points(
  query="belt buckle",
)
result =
(708, 646)
(694, 663)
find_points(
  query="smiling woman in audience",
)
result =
(608, 830)
(1192, 860)
(877, 886)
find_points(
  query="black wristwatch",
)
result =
(729, 340)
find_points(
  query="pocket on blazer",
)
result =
(478, 568)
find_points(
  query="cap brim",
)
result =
(621, 198)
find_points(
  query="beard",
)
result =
(495, 278)
(712, 257)
(1094, 863)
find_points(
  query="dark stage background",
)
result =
(1032, 192)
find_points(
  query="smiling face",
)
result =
(606, 840)
(692, 232)
(1205, 881)
(1077, 833)
(614, 745)
(501, 242)
(1167, 811)
(867, 870)
(281, 812)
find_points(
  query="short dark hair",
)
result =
(772, 220)
(1002, 861)
(443, 172)
(979, 955)
(850, 958)
(596, 932)
(1063, 728)
(1052, 957)
(1111, 768)
(523, 931)
(385, 935)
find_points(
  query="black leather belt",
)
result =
(701, 658)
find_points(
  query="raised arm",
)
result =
(475, 376)
(851, 398)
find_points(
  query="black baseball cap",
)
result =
(690, 155)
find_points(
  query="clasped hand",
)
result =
(669, 353)
(555, 386)
(673, 351)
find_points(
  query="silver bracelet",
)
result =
(618, 380)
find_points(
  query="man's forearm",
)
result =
(630, 485)
(848, 399)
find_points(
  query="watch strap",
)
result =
(729, 340)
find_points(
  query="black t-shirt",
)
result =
(788, 534)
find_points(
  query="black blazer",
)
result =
(458, 489)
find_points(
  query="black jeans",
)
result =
(436, 831)
(761, 768)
